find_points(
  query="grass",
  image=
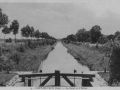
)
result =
(5, 78)
(90, 57)
(105, 76)
(29, 58)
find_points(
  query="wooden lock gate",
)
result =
(86, 78)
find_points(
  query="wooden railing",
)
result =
(86, 78)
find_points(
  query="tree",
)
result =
(3, 19)
(45, 35)
(117, 33)
(83, 35)
(15, 57)
(8, 66)
(110, 37)
(114, 65)
(5, 30)
(95, 33)
(32, 32)
(14, 28)
(37, 34)
(71, 37)
(103, 39)
(25, 31)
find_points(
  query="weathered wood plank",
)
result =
(36, 75)
(68, 80)
(79, 75)
(46, 80)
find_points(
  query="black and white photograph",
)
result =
(59, 43)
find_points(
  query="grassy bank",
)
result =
(5, 78)
(21, 57)
(105, 76)
(91, 57)
(94, 58)
(31, 58)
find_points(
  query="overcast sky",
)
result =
(62, 17)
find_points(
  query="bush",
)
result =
(32, 45)
(20, 49)
(16, 58)
(9, 40)
(114, 66)
(102, 40)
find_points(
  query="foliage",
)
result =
(32, 32)
(45, 35)
(83, 35)
(16, 58)
(5, 30)
(5, 65)
(3, 19)
(95, 33)
(25, 31)
(14, 28)
(20, 48)
(117, 33)
(110, 37)
(71, 37)
(102, 40)
(115, 65)
(87, 36)
(37, 34)
(9, 40)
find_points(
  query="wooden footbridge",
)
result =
(86, 78)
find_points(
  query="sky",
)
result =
(63, 17)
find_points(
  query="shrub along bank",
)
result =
(23, 56)
(95, 59)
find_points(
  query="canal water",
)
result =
(60, 60)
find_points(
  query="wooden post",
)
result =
(74, 76)
(68, 80)
(46, 80)
(57, 78)
(40, 76)
(86, 83)
(23, 80)
(29, 81)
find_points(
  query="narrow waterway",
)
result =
(60, 60)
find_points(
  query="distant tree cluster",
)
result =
(82, 35)
(111, 46)
(26, 31)
(33, 38)
(93, 35)
(3, 19)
